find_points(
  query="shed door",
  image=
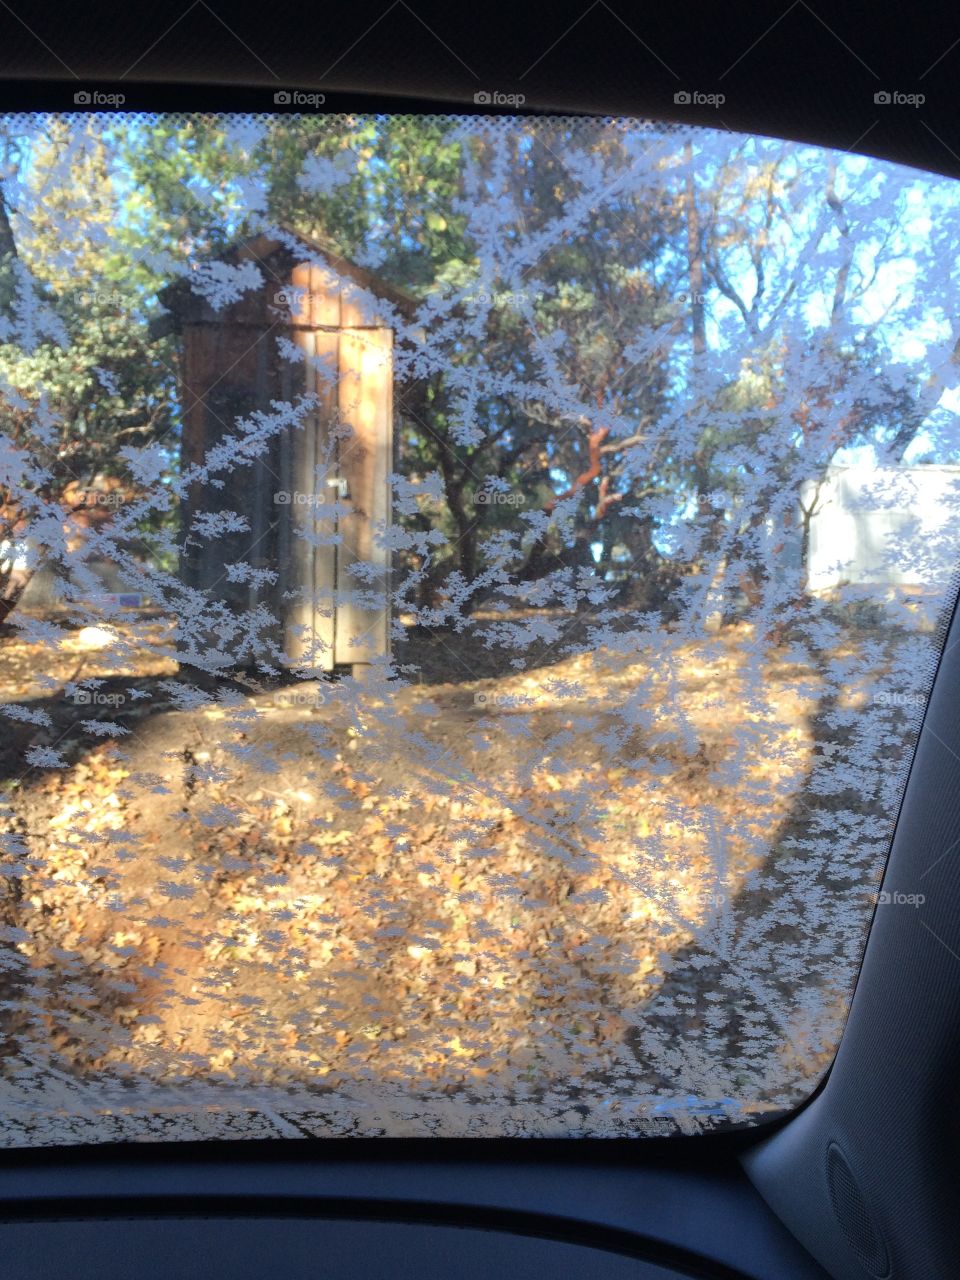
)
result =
(310, 575)
(342, 617)
(362, 629)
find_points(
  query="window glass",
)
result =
(470, 588)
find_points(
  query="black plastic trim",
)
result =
(513, 1221)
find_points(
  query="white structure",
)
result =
(892, 532)
(45, 589)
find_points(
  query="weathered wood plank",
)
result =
(296, 551)
(366, 405)
(319, 511)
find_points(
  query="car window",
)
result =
(469, 591)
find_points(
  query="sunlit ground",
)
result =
(459, 891)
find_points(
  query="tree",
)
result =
(81, 376)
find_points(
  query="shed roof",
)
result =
(279, 252)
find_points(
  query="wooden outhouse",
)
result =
(316, 498)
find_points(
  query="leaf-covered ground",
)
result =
(464, 888)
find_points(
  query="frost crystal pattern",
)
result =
(469, 591)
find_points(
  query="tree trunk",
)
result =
(695, 268)
(12, 586)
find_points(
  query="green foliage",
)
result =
(89, 379)
(102, 216)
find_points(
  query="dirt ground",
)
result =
(466, 885)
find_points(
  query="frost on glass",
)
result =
(583, 831)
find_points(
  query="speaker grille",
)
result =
(850, 1210)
